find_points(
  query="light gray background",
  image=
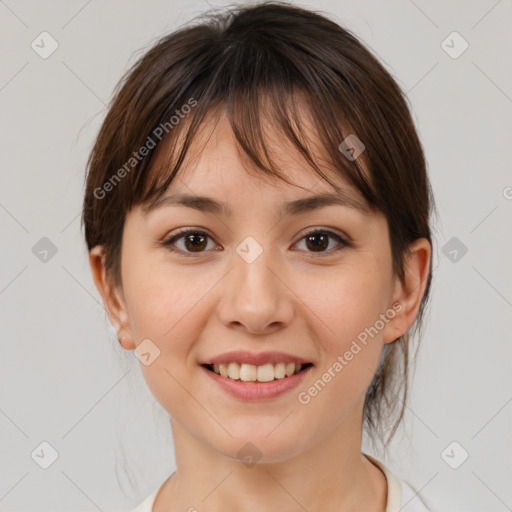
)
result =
(63, 378)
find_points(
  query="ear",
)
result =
(113, 298)
(409, 292)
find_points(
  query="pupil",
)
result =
(324, 241)
(199, 245)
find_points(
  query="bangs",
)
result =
(266, 105)
(282, 83)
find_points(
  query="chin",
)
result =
(258, 448)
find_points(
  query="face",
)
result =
(315, 284)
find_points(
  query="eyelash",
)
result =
(183, 232)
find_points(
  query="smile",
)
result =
(252, 388)
(252, 373)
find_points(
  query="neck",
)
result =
(210, 481)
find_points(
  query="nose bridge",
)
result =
(252, 272)
(255, 297)
(252, 264)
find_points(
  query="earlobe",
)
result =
(409, 292)
(112, 297)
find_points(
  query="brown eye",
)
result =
(318, 241)
(193, 242)
(196, 242)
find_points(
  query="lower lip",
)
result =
(258, 390)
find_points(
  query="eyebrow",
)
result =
(298, 206)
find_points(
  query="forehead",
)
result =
(216, 164)
(217, 179)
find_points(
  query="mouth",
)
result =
(251, 373)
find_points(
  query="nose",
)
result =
(255, 296)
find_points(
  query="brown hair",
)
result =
(241, 59)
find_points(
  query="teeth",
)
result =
(252, 373)
(279, 370)
(265, 373)
(234, 371)
(248, 372)
(223, 369)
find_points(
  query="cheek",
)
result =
(163, 304)
(167, 308)
(347, 307)
(347, 301)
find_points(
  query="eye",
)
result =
(195, 242)
(318, 241)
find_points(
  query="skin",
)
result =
(289, 299)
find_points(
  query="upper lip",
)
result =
(257, 359)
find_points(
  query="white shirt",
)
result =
(400, 494)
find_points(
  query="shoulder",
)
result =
(147, 504)
(401, 496)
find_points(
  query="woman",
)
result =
(257, 217)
